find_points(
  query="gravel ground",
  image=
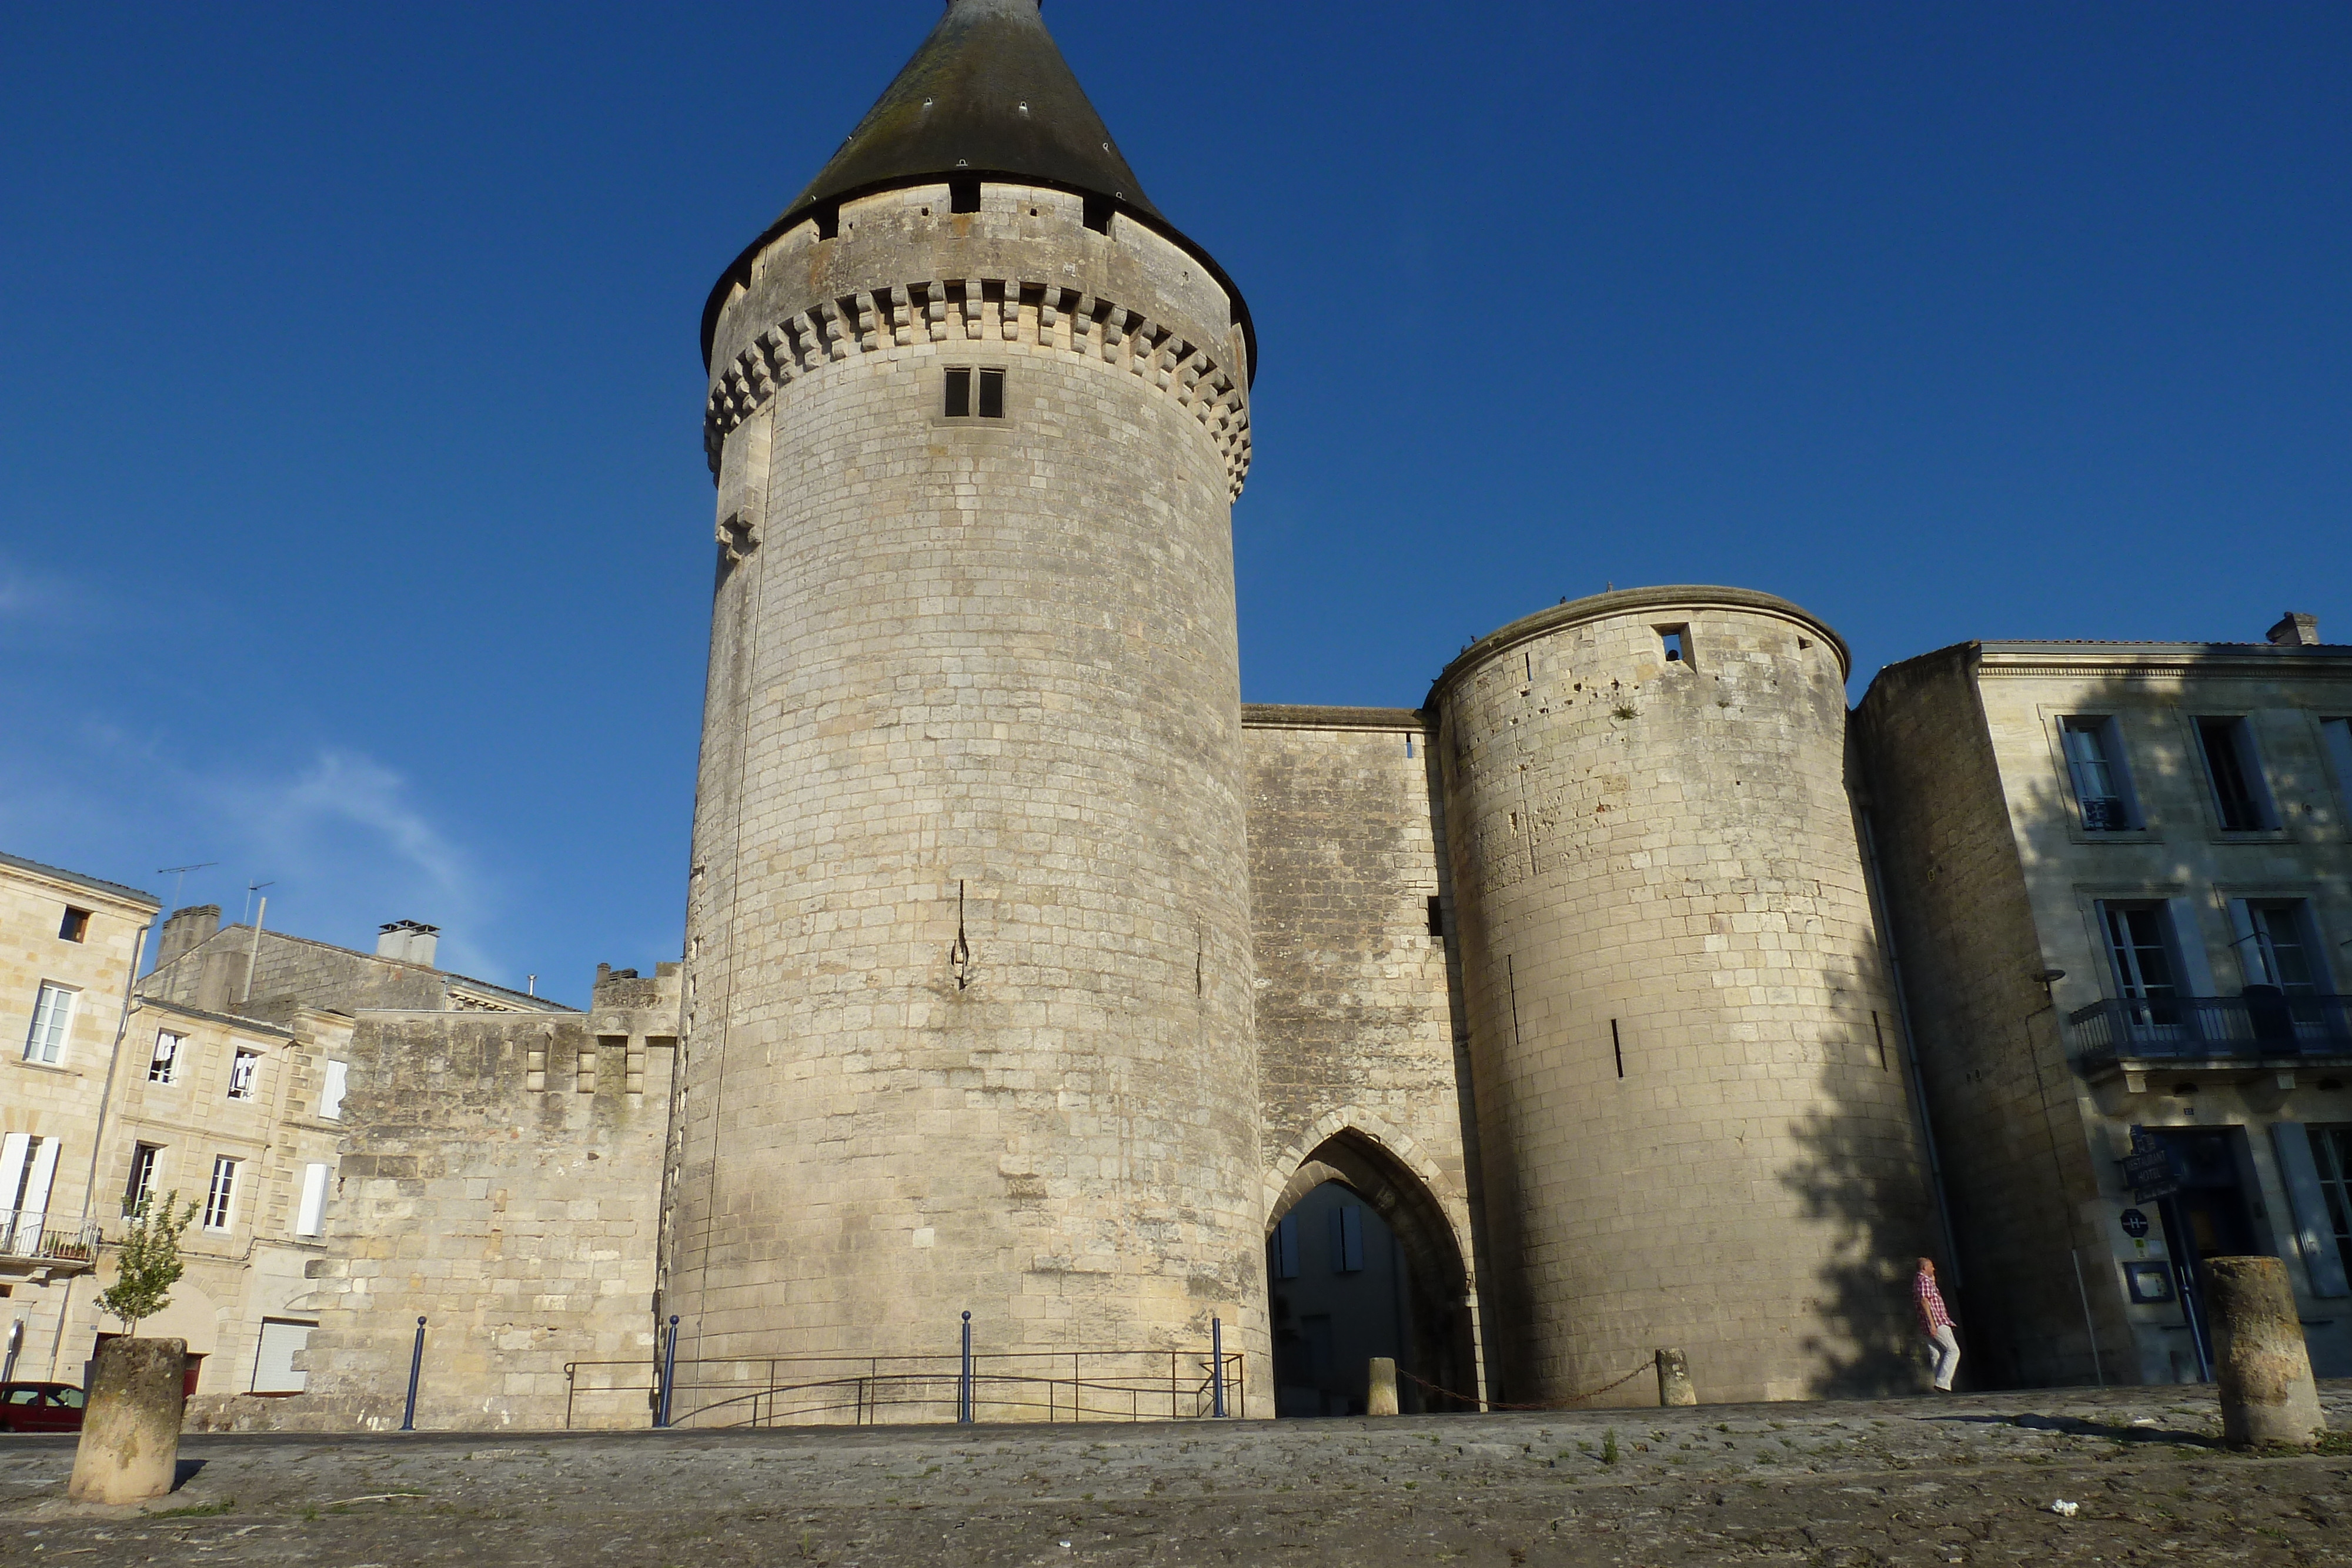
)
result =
(1969, 1478)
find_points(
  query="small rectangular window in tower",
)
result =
(1436, 915)
(75, 927)
(992, 395)
(1677, 642)
(958, 394)
(963, 192)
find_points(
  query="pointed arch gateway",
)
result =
(1441, 1342)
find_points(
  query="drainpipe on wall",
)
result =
(253, 953)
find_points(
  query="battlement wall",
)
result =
(501, 1178)
(1024, 272)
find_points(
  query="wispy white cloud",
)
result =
(347, 822)
(347, 840)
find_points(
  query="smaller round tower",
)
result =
(1689, 1072)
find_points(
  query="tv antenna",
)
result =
(250, 889)
(179, 874)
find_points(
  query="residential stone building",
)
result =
(69, 946)
(2120, 879)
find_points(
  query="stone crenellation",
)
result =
(1018, 309)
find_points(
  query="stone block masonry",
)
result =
(501, 1178)
(1688, 1077)
(968, 1017)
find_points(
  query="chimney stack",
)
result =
(2297, 629)
(408, 942)
(187, 928)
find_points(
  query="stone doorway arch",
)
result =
(1442, 1347)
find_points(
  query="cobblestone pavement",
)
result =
(1965, 1479)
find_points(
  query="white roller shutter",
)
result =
(314, 1200)
(273, 1362)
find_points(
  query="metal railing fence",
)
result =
(27, 1233)
(1002, 1385)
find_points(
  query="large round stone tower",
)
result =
(968, 940)
(1689, 1074)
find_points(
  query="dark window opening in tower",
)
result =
(1436, 915)
(958, 394)
(1096, 213)
(828, 221)
(1676, 642)
(963, 193)
(1341, 1296)
(992, 395)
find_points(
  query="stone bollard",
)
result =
(2265, 1370)
(131, 1427)
(1674, 1379)
(1382, 1399)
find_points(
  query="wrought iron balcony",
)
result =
(2264, 1025)
(32, 1236)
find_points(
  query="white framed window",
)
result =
(2094, 765)
(2331, 1149)
(220, 1199)
(2140, 949)
(2278, 944)
(2338, 734)
(331, 1098)
(2242, 797)
(163, 1066)
(53, 1013)
(312, 1213)
(242, 1072)
(135, 1191)
(28, 1166)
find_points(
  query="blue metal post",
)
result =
(415, 1365)
(1217, 1366)
(964, 1378)
(669, 1373)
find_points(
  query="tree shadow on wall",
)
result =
(1863, 1173)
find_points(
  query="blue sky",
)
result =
(355, 530)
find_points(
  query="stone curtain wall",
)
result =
(968, 1018)
(1360, 1033)
(1357, 1018)
(1670, 846)
(501, 1176)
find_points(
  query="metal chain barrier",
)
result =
(1551, 1405)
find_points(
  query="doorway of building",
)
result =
(2206, 1217)
(1341, 1295)
(1362, 1262)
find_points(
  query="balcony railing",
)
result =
(31, 1233)
(2258, 1026)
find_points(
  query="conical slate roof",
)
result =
(988, 94)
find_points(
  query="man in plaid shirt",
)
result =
(1937, 1322)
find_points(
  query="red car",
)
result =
(40, 1407)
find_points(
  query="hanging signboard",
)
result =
(2149, 1169)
